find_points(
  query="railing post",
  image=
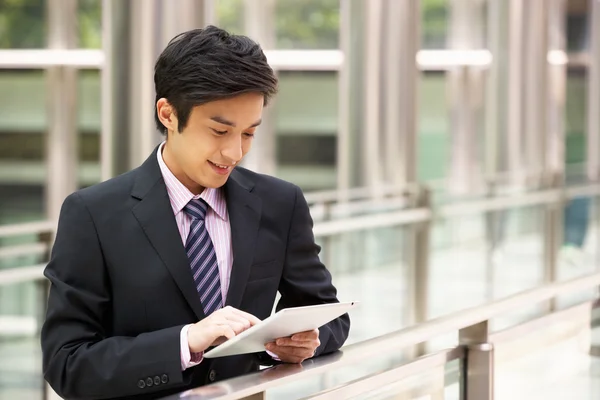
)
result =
(478, 366)
(417, 250)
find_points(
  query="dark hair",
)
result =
(209, 64)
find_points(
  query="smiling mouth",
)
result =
(222, 166)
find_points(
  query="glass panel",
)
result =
(476, 259)
(516, 242)
(576, 123)
(89, 127)
(307, 24)
(458, 274)
(23, 123)
(230, 15)
(435, 20)
(23, 24)
(369, 266)
(89, 18)
(433, 136)
(579, 254)
(578, 37)
(306, 127)
(20, 354)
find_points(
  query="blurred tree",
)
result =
(230, 14)
(89, 19)
(22, 24)
(299, 24)
(307, 24)
(434, 23)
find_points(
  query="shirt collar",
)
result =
(180, 195)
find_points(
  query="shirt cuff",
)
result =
(188, 359)
(273, 355)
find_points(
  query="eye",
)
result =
(249, 135)
(218, 132)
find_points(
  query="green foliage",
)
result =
(307, 24)
(299, 24)
(89, 18)
(22, 24)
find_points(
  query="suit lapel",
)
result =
(155, 215)
(244, 210)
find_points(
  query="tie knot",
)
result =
(196, 208)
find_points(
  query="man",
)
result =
(153, 267)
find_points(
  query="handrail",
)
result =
(378, 220)
(240, 387)
(27, 228)
(22, 274)
(408, 215)
(23, 250)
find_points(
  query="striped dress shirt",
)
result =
(218, 227)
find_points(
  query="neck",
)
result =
(176, 170)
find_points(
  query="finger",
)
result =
(237, 326)
(308, 335)
(236, 318)
(297, 343)
(289, 351)
(222, 333)
(253, 320)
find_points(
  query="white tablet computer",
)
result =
(283, 323)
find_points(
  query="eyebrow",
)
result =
(224, 121)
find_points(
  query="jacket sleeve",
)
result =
(81, 358)
(306, 281)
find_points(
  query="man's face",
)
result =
(217, 136)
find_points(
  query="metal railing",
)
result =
(419, 216)
(476, 348)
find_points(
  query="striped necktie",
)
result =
(203, 258)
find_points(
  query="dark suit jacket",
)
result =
(122, 289)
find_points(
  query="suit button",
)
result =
(156, 381)
(164, 378)
(149, 382)
(141, 384)
(212, 375)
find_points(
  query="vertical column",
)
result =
(496, 89)
(515, 90)
(553, 163)
(401, 40)
(115, 91)
(478, 368)
(135, 32)
(593, 131)
(360, 152)
(466, 96)
(351, 95)
(536, 80)
(370, 143)
(495, 156)
(556, 89)
(62, 149)
(258, 20)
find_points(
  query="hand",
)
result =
(218, 327)
(296, 349)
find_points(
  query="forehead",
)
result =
(242, 110)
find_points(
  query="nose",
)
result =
(233, 149)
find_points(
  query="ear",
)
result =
(166, 114)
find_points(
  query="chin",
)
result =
(216, 182)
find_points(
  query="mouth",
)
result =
(221, 169)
